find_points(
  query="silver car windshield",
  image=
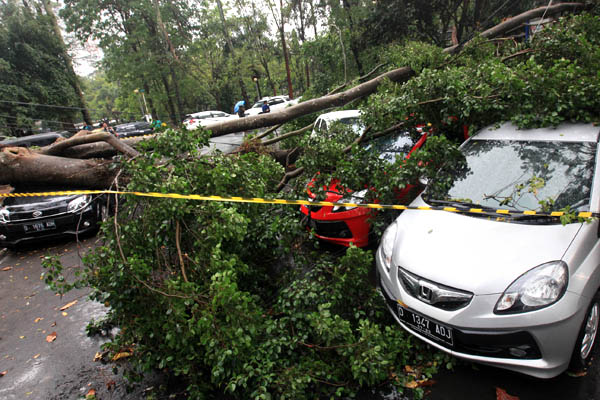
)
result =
(523, 175)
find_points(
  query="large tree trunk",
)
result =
(285, 53)
(243, 90)
(21, 165)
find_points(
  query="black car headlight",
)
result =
(79, 203)
(537, 288)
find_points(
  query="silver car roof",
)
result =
(565, 132)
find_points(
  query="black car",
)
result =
(40, 139)
(37, 218)
(130, 129)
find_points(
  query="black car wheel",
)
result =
(587, 336)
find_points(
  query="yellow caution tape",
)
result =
(236, 199)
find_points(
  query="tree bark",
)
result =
(244, 92)
(21, 166)
(285, 53)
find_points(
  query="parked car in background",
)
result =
(205, 118)
(350, 225)
(275, 103)
(38, 218)
(517, 291)
(325, 122)
(40, 140)
(130, 129)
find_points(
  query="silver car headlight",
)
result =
(79, 203)
(537, 288)
(355, 197)
(4, 218)
(387, 244)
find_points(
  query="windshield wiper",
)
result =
(459, 204)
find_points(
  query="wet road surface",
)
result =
(478, 382)
(31, 367)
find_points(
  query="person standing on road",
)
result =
(241, 111)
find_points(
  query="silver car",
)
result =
(516, 289)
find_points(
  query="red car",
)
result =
(345, 225)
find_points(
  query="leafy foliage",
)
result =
(228, 296)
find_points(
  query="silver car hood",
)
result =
(476, 254)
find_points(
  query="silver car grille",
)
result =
(432, 293)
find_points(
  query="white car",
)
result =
(325, 121)
(513, 288)
(275, 103)
(205, 118)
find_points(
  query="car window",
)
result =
(349, 120)
(392, 147)
(276, 101)
(521, 174)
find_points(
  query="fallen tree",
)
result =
(97, 148)
(232, 298)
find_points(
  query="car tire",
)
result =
(588, 336)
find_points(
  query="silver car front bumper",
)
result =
(479, 334)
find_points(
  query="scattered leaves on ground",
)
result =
(63, 308)
(99, 356)
(122, 354)
(36, 356)
(51, 337)
(38, 319)
(6, 268)
(3, 373)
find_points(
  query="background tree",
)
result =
(35, 82)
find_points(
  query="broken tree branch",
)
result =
(268, 132)
(178, 245)
(287, 135)
(517, 54)
(58, 148)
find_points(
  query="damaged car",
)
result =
(505, 270)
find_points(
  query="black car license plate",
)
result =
(426, 326)
(40, 226)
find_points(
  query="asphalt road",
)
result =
(31, 367)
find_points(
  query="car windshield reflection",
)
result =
(524, 175)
